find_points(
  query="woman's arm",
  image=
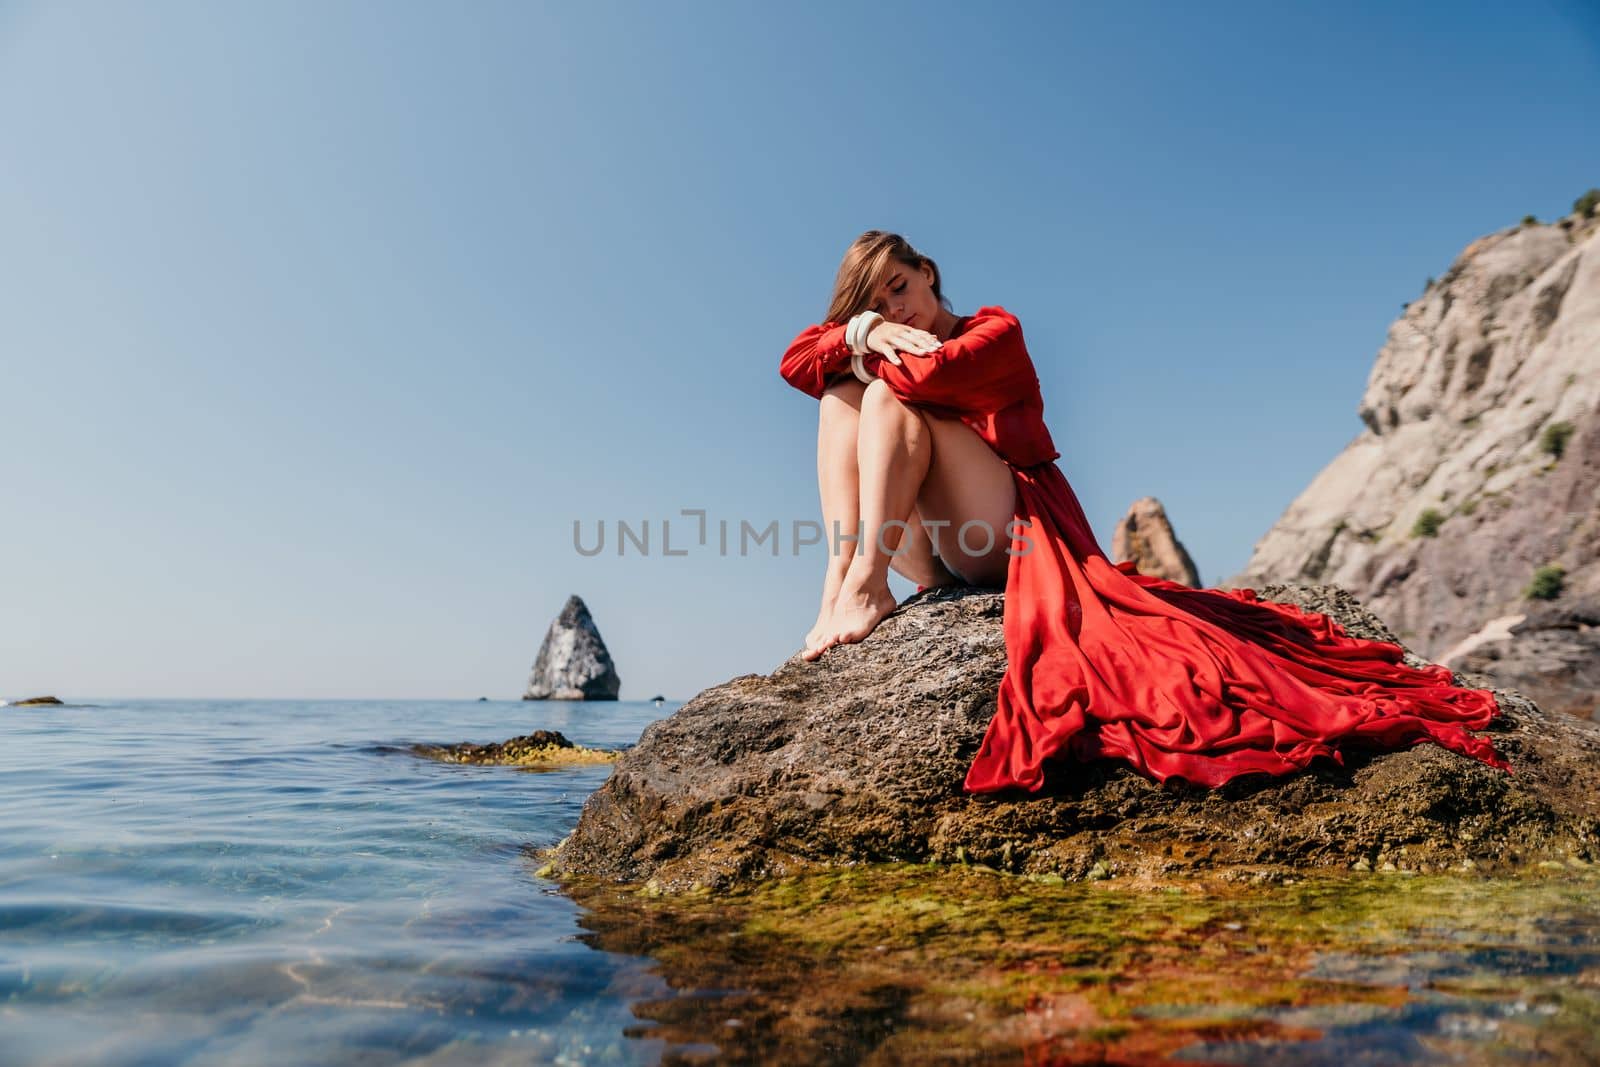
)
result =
(980, 371)
(815, 356)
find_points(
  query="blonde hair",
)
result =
(863, 267)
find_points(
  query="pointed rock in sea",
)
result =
(573, 663)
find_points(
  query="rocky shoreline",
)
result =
(859, 758)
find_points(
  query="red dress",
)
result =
(1199, 684)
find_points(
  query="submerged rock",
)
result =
(573, 663)
(958, 965)
(860, 757)
(542, 748)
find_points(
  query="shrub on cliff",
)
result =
(1428, 523)
(1555, 437)
(1546, 584)
(1586, 204)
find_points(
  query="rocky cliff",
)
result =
(1551, 652)
(1480, 462)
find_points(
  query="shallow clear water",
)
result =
(248, 882)
(282, 882)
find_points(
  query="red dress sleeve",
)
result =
(814, 357)
(983, 369)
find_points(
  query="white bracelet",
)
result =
(850, 331)
(863, 324)
(868, 323)
(859, 367)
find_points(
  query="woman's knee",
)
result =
(840, 410)
(876, 395)
(849, 389)
(888, 414)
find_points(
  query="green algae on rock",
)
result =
(924, 963)
(540, 749)
(860, 757)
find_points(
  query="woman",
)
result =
(931, 435)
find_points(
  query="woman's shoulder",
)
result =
(992, 311)
(992, 315)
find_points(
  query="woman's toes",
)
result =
(818, 634)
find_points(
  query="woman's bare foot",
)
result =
(820, 631)
(856, 613)
(816, 633)
(831, 584)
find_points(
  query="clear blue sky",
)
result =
(321, 323)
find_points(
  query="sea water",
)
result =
(282, 882)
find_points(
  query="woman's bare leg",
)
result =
(893, 451)
(912, 464)
(916, 559)
(838, 482)
(968, 483)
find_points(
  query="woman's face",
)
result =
(906, 296)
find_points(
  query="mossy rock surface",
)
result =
(540, 749)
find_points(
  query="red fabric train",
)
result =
(1199, 684)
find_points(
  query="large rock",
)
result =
(1480, 461)
(573, 663)
(861, 755)
(1551, 652)
(1145, 536)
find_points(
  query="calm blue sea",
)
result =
(279, 882)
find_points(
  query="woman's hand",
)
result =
(888, 337)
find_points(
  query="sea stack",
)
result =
(573, 663)
(1145, 536)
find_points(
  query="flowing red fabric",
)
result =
(1104, 662)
